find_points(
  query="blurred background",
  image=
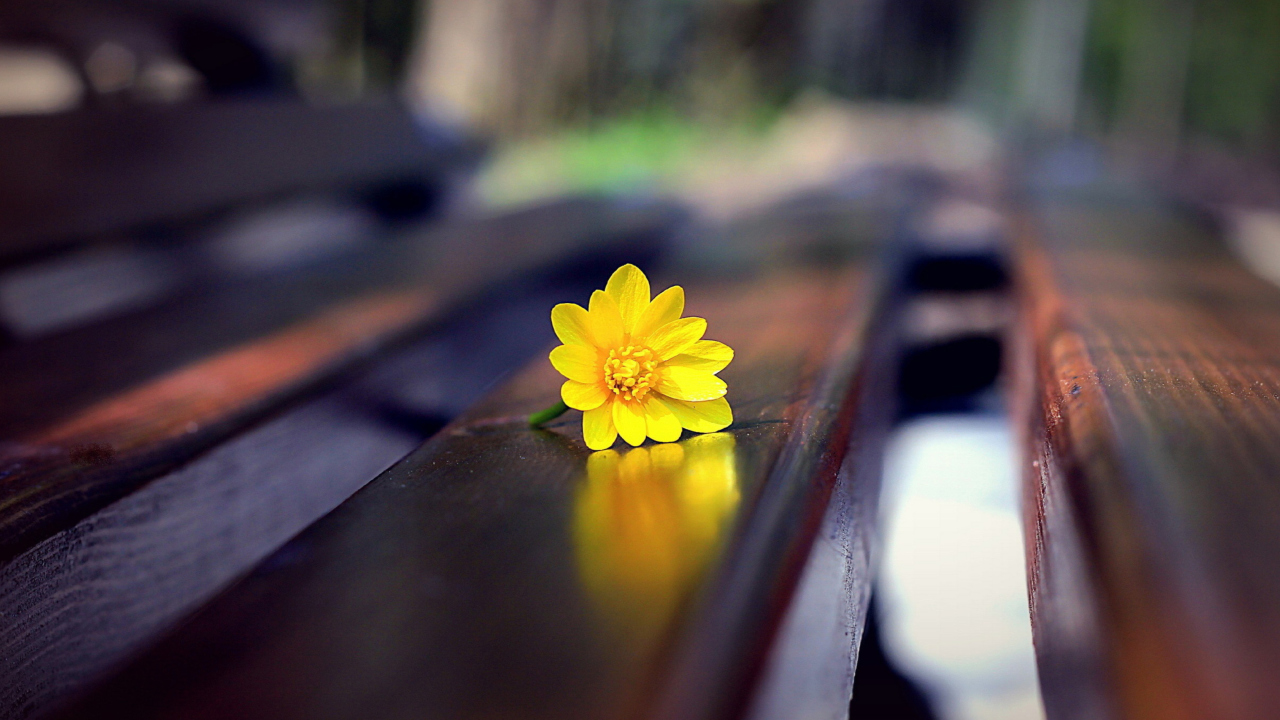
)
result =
(630, 93)
(727, 105)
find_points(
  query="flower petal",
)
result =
(630, 289)
(572, 324)
(702, 417)
(578, 363)
(706, 355)
(684, 383)
(676, 337)
(597, 427)
(583, 396)
(606, 320)
(662, 425)
(629, 418)
(665, 308)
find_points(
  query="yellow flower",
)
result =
(636, 368)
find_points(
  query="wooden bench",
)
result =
(1149, 363)
(149, 451)
(67, 177)
(502, 571)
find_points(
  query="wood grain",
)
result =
(1150, 391)
(83, 600)
(484, 576)
(92, 413)
(808, 670)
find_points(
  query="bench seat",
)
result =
(505, 571)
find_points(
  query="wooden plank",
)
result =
(501, 571)
(71, 176)
(808, 671)
(92, 413)
(81, 601)
(1150, 393)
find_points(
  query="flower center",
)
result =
(629, 371)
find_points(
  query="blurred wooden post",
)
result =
(455, 69)
(1049, 65)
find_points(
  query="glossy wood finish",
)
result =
(68, 177)
(88, 597)
(809, 669)
(501, 571)
(90, 414)
(1150, 392)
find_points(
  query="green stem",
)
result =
(545, 416)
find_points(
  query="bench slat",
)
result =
(67, 177)
(80, 602)
(1151, 397)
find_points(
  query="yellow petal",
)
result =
(572, 324)
(597, 427)
(630, 289)
(662, 425)
(606, 320)
(583, 396)
(578, 363)
(676, 337)
(629, 418)
(684, 383)
(665, 308)
(702, 417)
(706, 355)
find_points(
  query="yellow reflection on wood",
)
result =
(648, 521)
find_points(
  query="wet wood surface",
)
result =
(89, 596)
(89, 414)
(501, 571)
(1150, 392)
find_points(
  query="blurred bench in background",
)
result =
(70, 176)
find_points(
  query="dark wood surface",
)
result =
(808, 670)
(1150, 392)
(89, 414)
(501, 571)
(84, 599)
(69, 177)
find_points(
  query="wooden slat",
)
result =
(70, 176)
(89, 596)
(1150, 388)
(808, 671)
(501, 571)
(92, 413)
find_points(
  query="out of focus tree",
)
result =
(1168, 70)
(1153, 74)
(1149, 76)
(522, 66)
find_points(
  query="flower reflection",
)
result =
(647, 523)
